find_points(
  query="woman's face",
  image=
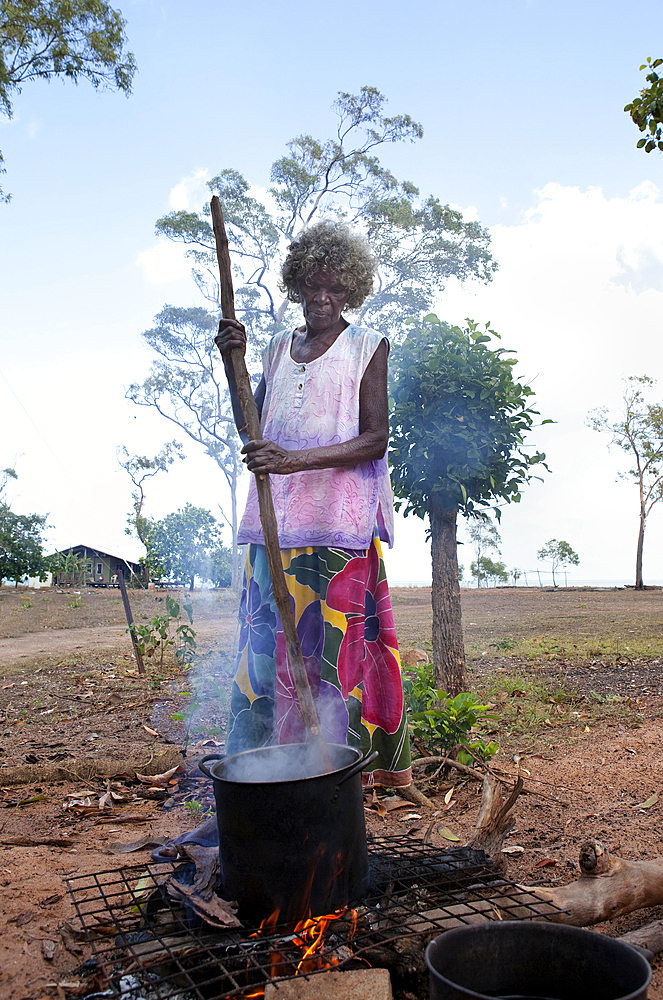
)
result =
(324, 297)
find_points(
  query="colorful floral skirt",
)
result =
(345, 624)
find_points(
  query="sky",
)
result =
(524, 129)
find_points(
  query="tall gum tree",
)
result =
(639, 432)
(420, 243)
(458, 424)
(70, 39)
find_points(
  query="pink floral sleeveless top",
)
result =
(308, 405)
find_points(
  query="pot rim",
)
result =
(536, 928)
(282, 781)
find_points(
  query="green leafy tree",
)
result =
(639, 432)
(459, 419)
(21, 545)
(647, 110)
(140, 468)
(419, 243)
(483, 536)
(557, 554)
(187, 385)
(491, 572)
(186, 542)
(73, 39)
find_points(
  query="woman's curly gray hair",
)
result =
(330, 245)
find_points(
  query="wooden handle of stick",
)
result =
(267, 516)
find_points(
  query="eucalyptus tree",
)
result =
(558, 553)
(187, 386)
(140, 468)
(420, 243)
(483, 535)
(458, 424)
(638, 431)
(188, 544)
(70, 39)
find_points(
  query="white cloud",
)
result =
(164, 262)
(190, 192)
(578, 295)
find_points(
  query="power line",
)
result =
(33, 423)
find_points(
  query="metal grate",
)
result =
(147, 946)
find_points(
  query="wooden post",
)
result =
(130, 621)
(267, 516)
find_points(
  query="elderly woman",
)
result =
(324, 418)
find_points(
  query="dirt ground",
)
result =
(574, 676)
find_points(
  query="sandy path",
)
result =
(58, 643)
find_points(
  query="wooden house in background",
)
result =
(102, 566)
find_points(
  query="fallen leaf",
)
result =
(545, 863)
(6, 686)
(648, 803)
(33, 798)
(413, 816)
(138, 845)
(445, 832)
(513, 849)
(378, 806)
(68, 941)
(48, 949)
(160, 779)
(152, 732)
(21, 918)
(115, 699)
(50, 900)
(414, 828)
(128, 818)
(447, 797)
(397, 803)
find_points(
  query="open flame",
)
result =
(301, 950)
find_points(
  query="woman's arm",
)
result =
(232, 334)
(371, 443)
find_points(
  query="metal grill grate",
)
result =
(141, 939)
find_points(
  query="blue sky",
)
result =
(521, 105)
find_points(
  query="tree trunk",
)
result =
(641, 541)
(448, 646)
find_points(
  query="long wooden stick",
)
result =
(130, 622)
(267, 515)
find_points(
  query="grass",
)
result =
(572, 649)
(528, 702)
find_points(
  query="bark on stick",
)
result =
(267, 516)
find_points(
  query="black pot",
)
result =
(517, 959)
(291, 838)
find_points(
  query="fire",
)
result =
(301, 951)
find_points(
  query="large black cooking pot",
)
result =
(521, 960)
(291, 838)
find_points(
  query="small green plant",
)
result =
(443, 723)
(75, 603)
(26, 603)
(504, 644)
(157, 634)
(194, 807)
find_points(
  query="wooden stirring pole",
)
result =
(267, 516)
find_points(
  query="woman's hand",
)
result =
(264, 456)
(231, 335)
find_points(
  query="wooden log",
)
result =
(267, 516)
(650, 937)
(608, 887)
(495, 819)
